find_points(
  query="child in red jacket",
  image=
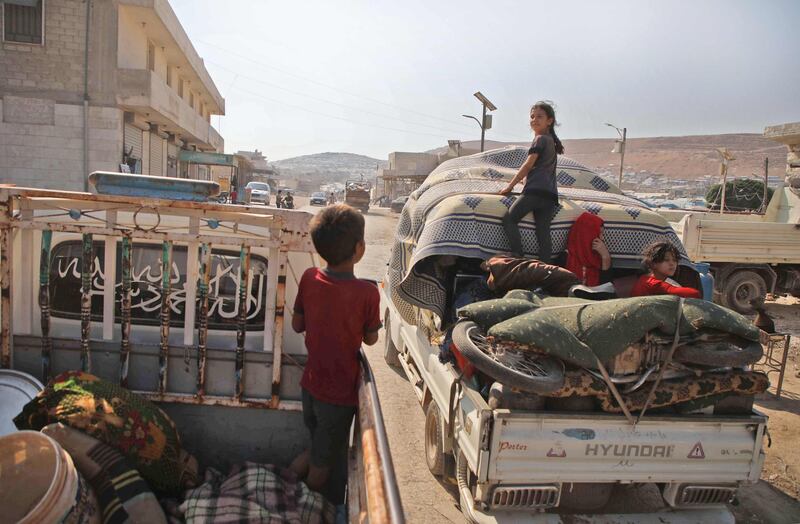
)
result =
(661, 258)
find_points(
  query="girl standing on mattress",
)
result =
(661, 259)
(540, 193)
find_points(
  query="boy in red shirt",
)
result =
(661, 258)
(338, 312)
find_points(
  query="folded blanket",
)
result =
(507, 273)
(132, 425)
(255, 493)
(577, 330)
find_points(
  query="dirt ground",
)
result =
(774, 500)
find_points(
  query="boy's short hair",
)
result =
(336, 231)
(658, 251)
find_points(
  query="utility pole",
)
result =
(726, 157)
(486, 121)
(619, 147)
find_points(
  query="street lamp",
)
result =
(619, 147)
(486, 122)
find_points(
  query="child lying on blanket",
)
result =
(661, 259)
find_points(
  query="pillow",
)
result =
(123, 495)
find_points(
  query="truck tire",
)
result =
(390, 354)
(534, 373)
(740, 288)
(720, 354)
(434, 430)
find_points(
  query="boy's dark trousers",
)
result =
(329, 425)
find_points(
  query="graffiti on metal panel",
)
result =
(223, 303)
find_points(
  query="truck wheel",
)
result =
(720, 354)
(390, 354)
(523, 370)
(741, 288)
(434, 430)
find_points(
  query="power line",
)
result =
(257, 95)
(332, 102)
(360, 96)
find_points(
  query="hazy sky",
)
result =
(372, 77)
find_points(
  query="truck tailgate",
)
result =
(531, 447)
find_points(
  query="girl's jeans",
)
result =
(543, 209)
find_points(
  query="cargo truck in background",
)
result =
(357, 194)
(750, 255)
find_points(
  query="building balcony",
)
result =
(141, 21)
(145, 93)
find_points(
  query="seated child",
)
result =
(661, 259)
(338, 312)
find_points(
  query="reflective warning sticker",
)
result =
(697, 452)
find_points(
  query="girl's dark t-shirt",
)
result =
(542, 177)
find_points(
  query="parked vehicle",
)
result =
(513, 453)
(356, 194)
(318, 199)
(259, 192)
(750, 254)
(398, 203)
(226, 368)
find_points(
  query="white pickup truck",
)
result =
(514, 461)
(511, 464)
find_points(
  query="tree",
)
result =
(742, 194)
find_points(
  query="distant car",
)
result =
(318, 199)
(259, 192)
(398, 203)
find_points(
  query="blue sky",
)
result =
(372, 77)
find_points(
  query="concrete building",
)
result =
(407, 171)
(788, 135)
(90, 85)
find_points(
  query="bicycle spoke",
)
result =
(519, 361)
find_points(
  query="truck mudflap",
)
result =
(551, 447)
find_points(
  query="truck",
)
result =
(512, 457)
(101, 283)
(357, 194)
(750, 255)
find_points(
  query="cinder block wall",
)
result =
(41, 100)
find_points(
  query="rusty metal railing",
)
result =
(197, 226)
(371, 460)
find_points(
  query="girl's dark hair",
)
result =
(657, 252)
(547, 107)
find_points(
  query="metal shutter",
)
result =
(156, 155)
(133, 141)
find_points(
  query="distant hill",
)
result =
(329, 167)
(686, 157)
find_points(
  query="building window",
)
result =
(23, 21)
(180, 87)
(169, 76)
(191, 99)
(151, 56)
